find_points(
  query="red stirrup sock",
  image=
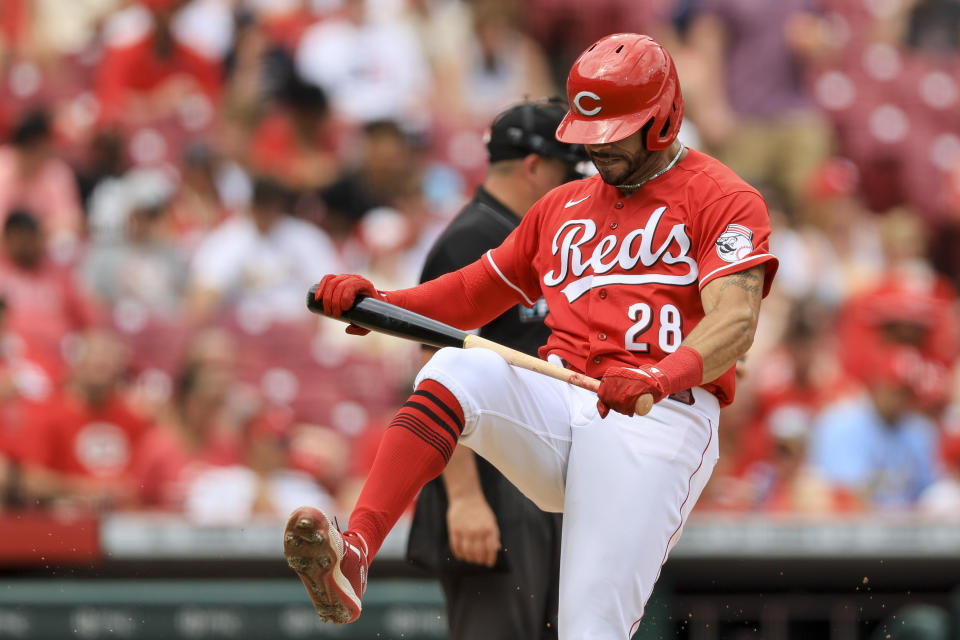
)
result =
(414, 450)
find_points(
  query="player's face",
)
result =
(624, 161)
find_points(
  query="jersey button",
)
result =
(614, 225)
(619, 205)
(596, 361)
(602, 336)
(602, 294)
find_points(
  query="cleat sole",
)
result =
(312, 554)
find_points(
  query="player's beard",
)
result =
(616, 168)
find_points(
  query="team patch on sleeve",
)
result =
(735, 243)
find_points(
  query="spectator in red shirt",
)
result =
(10, 427)
(271, 480)
(155, 77)
(14, 25)
(221, 453)
(296, 144)
(194, 435)
(82, 439)
(907, 312)
(763, 466)
(797, 378)
(44, 300)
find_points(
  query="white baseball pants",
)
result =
(625, 484)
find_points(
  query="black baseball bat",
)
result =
(383, 317)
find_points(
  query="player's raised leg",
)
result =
(453, 395)
(415, 448)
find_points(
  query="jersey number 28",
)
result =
(671, 327)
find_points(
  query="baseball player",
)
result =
(653, 271)
(496, 554)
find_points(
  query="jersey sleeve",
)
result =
(513, 261)
(734, 235)
(467, 298)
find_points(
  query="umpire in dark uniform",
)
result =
(496, 554)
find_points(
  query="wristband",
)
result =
(679, 371)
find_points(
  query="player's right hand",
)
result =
(621, 388)
(338, 292)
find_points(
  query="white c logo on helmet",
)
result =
(587, 94)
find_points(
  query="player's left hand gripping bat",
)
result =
(383, 317)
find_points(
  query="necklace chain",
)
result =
(673, 162)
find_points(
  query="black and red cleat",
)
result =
(332, 566)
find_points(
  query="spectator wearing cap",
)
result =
(877, 445)
(495, 553)
(33, 177)
(910, 305)
(901, 313)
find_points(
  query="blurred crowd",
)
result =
(175, 174)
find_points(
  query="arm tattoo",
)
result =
(750, 281)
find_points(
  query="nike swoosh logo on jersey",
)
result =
(570, 203)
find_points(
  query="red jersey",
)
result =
(13, 428)
(72, 437)
(278, 150)
(135, 68)
(44, 305)
(622, 276)
(165, 465)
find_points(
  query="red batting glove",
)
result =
(620, 387)
(339, 292)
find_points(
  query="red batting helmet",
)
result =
(617, 86)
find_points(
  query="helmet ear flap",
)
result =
(669, 115)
